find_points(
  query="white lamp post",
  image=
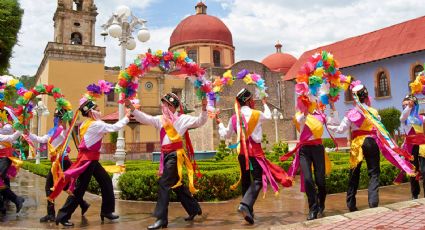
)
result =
(276, 115)
(41, 110)
(121, 25)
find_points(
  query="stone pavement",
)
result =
(287, 208)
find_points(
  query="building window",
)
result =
(193, 54)
(148, 86)
(348, 93)
(76, 38)
(77, 5)
(416, 70)
(382, 84)
(110, 97)
(216, 58)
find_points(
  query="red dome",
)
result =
(201, 28)
(279, 62)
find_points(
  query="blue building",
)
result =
(385, 61)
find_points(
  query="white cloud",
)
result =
(256, 25)
(303, 25)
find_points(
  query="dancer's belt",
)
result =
(358, 133)
(415, 139)
(87, 154)
(6, 152)
(172, 147)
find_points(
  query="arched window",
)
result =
(416, 70)
(348, 94)
(382, 88)
(192, 54)
(77, 5)
(76, 38)
(216, 58)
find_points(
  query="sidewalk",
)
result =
(289, 207)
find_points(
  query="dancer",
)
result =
(7, 161)
(367, 140)
(174, 127)
(55, 141)
(247, 123)
(91, 132)
(414, 143)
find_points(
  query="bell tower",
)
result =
(74, 22)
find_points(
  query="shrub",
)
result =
(390, 119)
(278, 149)
(328, 143)
(222, 151)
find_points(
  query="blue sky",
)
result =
(256, 25)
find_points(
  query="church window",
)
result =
(216, 58)
(77, 5)
(416, 70)
(193, 54)
(76, 38)
(382, 84)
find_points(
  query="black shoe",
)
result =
(246, 213)
(109, 216)
(84, 207)
(321, 210)
(65, 223)
(192, 216)
(19, 203)
(158, 224)
(353, 209)
(312, 215)
(414, 197)
(47, 218)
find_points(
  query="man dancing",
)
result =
(173, 127)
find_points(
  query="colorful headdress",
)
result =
(319, 81)
(171, 99)
(88, 101)
(243, 96)
(418, 85)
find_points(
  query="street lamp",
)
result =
(121, 25)
(276, 115)
(41, 110)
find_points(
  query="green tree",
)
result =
(390, 117)
(10, 23)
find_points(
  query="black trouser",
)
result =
(7, 193)
(49, 184)
(168, 179)
(371, 155)
(419, 163)
(314, 154)
(105, 183)
(251, 189)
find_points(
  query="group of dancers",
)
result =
(256, 171)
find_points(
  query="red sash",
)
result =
(299, 145)
(6, 152)
(172, 147)
(88, 155)
(415, 139)
(358, 133)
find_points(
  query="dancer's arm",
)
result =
(147, 119)
(10, 138)
(192, 122)
(267, 114)
(39, 139)
(405, 114)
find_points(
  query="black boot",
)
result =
(246, 213)
(50, 213)
(109, 216)
(159, 223)
(19, 203)
(192, 216)
(312, 215)
(84, 207)
(65, 223)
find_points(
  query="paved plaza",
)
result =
(286, 211)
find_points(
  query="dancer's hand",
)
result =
(129, 105)
(128, 113)
(204, 104)
(217, 117)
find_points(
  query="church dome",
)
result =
(279, 62)
(201, 28)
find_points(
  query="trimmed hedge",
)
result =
(140, 182)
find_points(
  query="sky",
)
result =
(256, 25)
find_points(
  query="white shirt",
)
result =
(345, 124)
(403, 117)
(182, 124)
(257, 134)
(9, 138)
(44, 139)
(98, 128)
